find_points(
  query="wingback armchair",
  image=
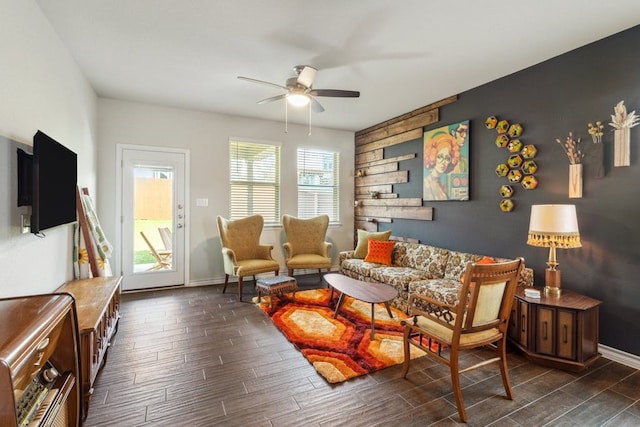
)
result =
(306, 246)
(242, 252)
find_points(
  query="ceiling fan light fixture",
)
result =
(298, 99)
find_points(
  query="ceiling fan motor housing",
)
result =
(293, 83)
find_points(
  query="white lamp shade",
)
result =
(554, 225)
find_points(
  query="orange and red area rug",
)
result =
(341, 348)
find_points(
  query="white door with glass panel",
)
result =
(153, 214)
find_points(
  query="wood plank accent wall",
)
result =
(376, 175)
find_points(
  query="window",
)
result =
(254, 180)
(318, 184)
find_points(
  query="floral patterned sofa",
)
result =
(419, 268)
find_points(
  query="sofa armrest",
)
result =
(345, 255)
(526, 277)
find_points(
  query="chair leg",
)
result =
(455, 383)
(407, 351)
(504, 370)
(240, 288)
(289, 273)
(226, 282)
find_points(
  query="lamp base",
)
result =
(552, 282)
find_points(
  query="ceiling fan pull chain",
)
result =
(286, 118)
(309, 118)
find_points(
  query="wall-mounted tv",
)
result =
(47, 180)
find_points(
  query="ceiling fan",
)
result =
(299, 90)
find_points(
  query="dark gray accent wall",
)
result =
(550, 99)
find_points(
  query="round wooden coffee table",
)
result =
(373, 293)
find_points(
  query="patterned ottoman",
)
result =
(276, 285)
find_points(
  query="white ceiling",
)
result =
(401, 55)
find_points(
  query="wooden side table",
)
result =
(98, 310)
(557, 331)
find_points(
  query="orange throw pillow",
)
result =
(485, 260)
(379, 251)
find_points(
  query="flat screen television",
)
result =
(47, 180)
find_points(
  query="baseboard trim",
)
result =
(620, 356)
(205, 282)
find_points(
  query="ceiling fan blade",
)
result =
(335, 93)
(262, 82)
(273, 98)
(307, 75)
(316, 106)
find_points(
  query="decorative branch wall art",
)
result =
(573, 148)
(622, 124)
(597, 149)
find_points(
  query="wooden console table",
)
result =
(557, 331)
(98, 310)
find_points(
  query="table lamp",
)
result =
(553, 226)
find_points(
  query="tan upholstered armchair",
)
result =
(242, 252)
(305, 246)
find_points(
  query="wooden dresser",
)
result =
(557, 331)
(39, 362)
(98, 308)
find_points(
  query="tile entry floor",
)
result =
(197, 357)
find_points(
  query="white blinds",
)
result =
(254, 181)
(318, 184)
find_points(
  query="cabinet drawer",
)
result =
(545, 331)
(566, 334)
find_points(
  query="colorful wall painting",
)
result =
(446, 162)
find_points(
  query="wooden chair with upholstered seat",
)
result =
(478, 319)
(306, 246)
(242, 253)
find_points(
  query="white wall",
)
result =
(40, 88)
(207, 137)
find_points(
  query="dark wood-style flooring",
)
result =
(197, 357)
